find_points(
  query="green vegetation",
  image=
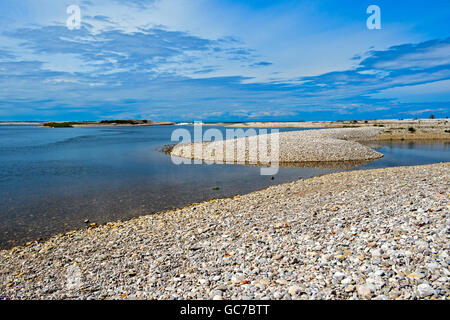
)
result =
(448, 131)
(58, 124)
(216, 188)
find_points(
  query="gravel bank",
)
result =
(294, 147)
(380, 234)
(422, 129)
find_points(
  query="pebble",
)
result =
(339, 276)
(295, 290)
(424, 290)
(364, 292)
(277, 295)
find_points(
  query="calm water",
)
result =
(51, 180)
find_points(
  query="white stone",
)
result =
(339, 275)
(424, 290)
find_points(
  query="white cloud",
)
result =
(438, 91)
(435, 56)
(297, 38)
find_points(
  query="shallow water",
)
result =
(408, 153)
(51, 180)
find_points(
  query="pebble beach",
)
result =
(375, 234)
(286, 147)
(225, 159)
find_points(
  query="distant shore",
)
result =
(126, 125)
(393, 129)
(104, 123)
(21, 123)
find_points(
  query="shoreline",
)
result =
(335, 123)
(335, 236)
(154, 124)
(91, 125)
(21, 123)
(423, 129)
(393, 129)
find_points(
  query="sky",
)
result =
(227, 60)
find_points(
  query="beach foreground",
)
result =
(380, 234)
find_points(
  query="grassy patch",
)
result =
(58, 124)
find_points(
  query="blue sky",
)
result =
(228, 60)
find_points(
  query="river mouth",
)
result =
(52, 180)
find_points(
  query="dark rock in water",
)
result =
(167, 149)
